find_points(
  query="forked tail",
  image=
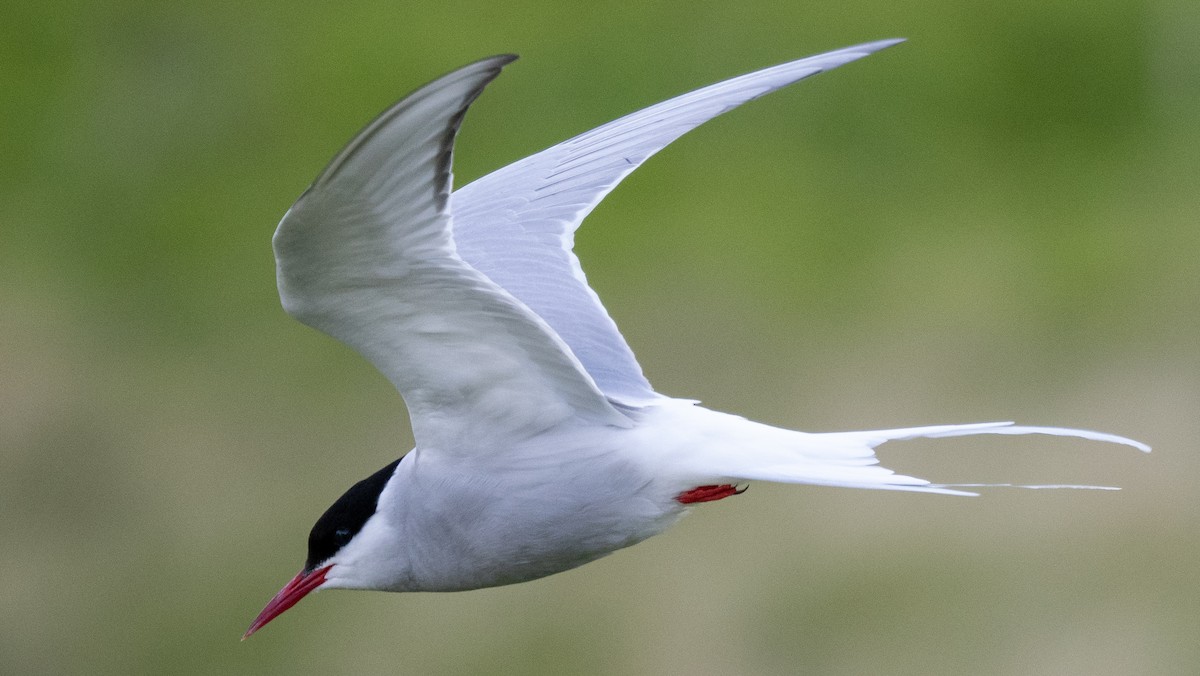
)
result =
(890, 480)
(741, 450)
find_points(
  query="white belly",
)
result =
(484, 524)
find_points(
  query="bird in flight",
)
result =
(540, 445)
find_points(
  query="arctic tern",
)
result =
(540, 445)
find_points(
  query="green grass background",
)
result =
(996, 220)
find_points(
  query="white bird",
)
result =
(540, 446)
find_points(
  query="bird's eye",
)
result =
(342, 535)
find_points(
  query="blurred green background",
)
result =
(996, 220)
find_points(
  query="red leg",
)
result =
(708, 493)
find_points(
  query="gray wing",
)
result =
(517, 225)
(366, 256)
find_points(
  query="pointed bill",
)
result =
(290, 595)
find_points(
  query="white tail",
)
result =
(727, 448)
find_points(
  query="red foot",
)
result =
(708, 493)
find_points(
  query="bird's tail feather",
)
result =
(847, 459)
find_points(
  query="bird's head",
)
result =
(346, 534)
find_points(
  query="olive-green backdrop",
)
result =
(995, 220)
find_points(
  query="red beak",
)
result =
(287, 597)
